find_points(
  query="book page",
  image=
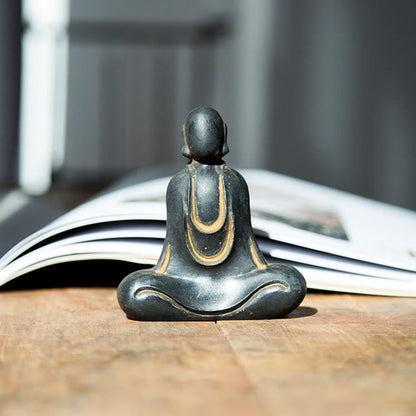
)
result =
(323, 219)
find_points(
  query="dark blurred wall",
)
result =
(10, 32)
(318, 89)
(135, 69)
(342, 111)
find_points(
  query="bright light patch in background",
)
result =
(42, 117)
(11, 203)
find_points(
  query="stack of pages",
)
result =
(338, 241)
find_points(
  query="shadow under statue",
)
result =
(210, 267)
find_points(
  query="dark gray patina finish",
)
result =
(210, 267)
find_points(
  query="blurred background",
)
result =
(322, 90)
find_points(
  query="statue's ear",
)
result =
(185, 148)
(225, 148)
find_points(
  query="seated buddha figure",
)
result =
(210, 267)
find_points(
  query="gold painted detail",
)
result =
(165, 262)
(259, 263)
(222, 253)
(222, 312)
(217, 224)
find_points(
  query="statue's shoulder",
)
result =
(179, 181)
(234, 177)
(232, 173)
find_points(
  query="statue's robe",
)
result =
(210, 266)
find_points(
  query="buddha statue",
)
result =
(210, 267)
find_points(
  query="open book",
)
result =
(338, 241)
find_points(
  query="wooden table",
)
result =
(73, 352)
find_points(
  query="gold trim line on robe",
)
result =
(218, 223)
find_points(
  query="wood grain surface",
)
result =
(72, 351)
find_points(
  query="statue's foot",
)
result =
(265, 294)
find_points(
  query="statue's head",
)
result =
(204, 136)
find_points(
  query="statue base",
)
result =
(266, 294)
